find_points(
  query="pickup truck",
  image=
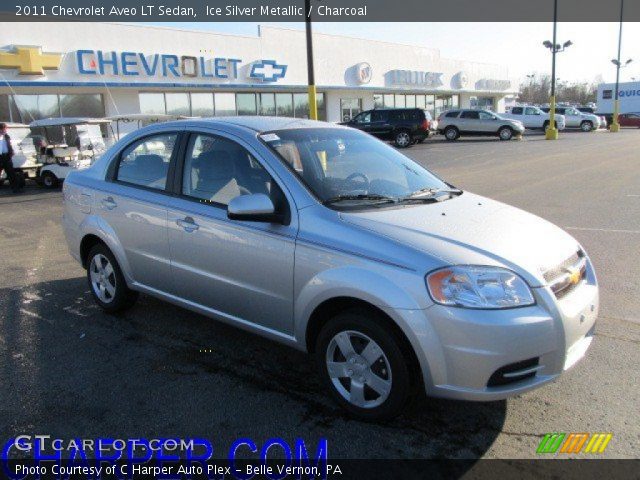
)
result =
(533, 117)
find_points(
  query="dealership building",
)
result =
(105, 69)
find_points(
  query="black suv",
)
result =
(404, 126)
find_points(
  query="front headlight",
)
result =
(472, 286)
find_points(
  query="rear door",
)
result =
(237, 269)
(134, 205)
(469, 121)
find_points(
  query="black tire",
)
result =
(586, 126)
(1, 181)
(402, 139)
(451, 133)
(505, 133)
(49, 180)
(124, 297)
(372, 326)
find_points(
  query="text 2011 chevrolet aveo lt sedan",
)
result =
(326, 239)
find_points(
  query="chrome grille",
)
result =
(564, 277)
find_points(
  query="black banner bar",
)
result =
(320, 10)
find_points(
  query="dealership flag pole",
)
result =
(615, 126)
(313, 106)
(552, 131)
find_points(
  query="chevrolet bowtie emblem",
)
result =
(574, 275)
(30, 60)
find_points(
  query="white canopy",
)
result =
(62, 121)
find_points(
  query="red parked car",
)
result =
(629, 120)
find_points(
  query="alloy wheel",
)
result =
(403, 139)
(359, 369)
(103, 278)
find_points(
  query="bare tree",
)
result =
(537, 90)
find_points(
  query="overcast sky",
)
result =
(516, 45)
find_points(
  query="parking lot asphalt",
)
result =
(68, 370)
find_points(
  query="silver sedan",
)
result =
(328, 240)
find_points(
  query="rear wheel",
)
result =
(451, 133)
(49, 180)
(363, 366)
(586, 126)
(505, 133)
(402, 139)
(546, 125)
(107, 284)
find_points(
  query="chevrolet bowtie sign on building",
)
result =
(268, 71)
(30, 60)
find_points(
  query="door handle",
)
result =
(109, 203)
(188, 224)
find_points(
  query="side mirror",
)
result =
(256, 207)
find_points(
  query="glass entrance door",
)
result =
(349, 108)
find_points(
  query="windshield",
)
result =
(344, 164)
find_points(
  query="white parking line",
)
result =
(612, 230)
(632, 195)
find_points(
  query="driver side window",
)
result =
(363, 118)
(216, 170)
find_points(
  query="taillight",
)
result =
(425, 124)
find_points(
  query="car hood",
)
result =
(470, 229)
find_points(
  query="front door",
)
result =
(134, 206)
(349, 108)
(238, 269)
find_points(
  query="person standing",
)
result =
(6, 164)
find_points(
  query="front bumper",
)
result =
(473, 346)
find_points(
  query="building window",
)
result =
(284, 105)
(267, 104)
(5, 112)
(246, 103)
(400, 101)
(411, 101)
(420, 102)
(177, 104)
(202, 104)
(388, 101)
(225, 104)
(34, 107)
(378, 100)
(301, 105)
(152, 103)
(83, 105)
(322, 111)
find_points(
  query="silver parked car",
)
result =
(330, 241)
(454, 123)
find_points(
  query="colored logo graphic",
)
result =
(574, 443)
(30, 60)
(363, 72)
(268, 70)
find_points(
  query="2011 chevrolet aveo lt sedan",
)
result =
(326, 239)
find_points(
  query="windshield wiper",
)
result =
(430, 194)
(364, 196)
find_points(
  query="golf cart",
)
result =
(127, 123)
(70, 143)
(24, 159)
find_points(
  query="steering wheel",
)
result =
(365, 180)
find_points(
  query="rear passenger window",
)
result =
(517, 110)
(217, 170)
(452, 114)
(473, 114)
(146, 162)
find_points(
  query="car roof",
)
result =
(262, 124)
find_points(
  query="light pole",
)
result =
(615, 126)
(313, 106)
(552, 131)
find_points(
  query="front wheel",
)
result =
(49, 180)
(106, 282)
(403, 139)
(505, 133)
(362, 364)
